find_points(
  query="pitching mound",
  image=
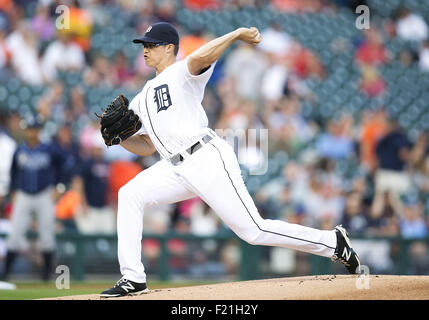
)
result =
(330, 287)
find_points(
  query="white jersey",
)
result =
(170, 109)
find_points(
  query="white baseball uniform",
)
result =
(170, 109)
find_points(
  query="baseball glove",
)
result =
(118, 122)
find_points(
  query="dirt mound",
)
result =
(330, 287)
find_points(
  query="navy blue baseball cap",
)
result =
(161, 32)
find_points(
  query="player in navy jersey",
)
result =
(34, 175)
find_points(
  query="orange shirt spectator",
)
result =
(6, 5)
(68, 205)
(374, 127)
(80, 27)
(189, 44)
(122, 172)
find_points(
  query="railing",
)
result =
(250, 256)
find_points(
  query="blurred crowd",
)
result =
(383, 194)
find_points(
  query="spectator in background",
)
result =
(5, 54)
(34, 175)
(372, 83)
(275, 41)
(298, 6)
(202, 4)
(419, 163)
(353, 217)
(411, 26)
(42, 24)
(80, 26)
(99, 73)
(166, 11)
(92, 180)
(14, 126)
(274, 80)
(191, 42)
(391, 177)
(373, 127)
(246, 66)
(288, 128)
(371, 51)
(337, 142)
(123, 74)
(76, 109)
(424, 57)
(70, 149)
(86, 136)
(22, 44)
(407, 58)
(62, 55)
(67, 208)
(305, 63)
(7, 147)
(419, 258)
(412, 223)
(203, 221)
(121, 171)
(323, 204)
(51, 105)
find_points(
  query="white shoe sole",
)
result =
(129, 294)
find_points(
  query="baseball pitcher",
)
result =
(167, 116)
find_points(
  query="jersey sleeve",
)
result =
(197, 82)
(135, 106)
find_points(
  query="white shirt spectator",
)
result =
(62, 56)
(246, 66)
(275, 41)
(25, 59)
(412, 28)
(203, 223)
(273, 82)
(7, 147)
(424, 58)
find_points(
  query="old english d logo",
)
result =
(162, 97)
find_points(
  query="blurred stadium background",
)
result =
(328, 93)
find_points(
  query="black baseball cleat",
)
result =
(125, 287)
(344, 252)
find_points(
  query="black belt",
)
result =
(192, 149)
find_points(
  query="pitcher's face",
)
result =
(154, 53)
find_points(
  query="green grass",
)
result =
(37, 290)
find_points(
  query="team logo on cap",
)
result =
(148, 29)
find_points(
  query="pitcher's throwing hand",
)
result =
(249, 35)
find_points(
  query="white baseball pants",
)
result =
(213, 174)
